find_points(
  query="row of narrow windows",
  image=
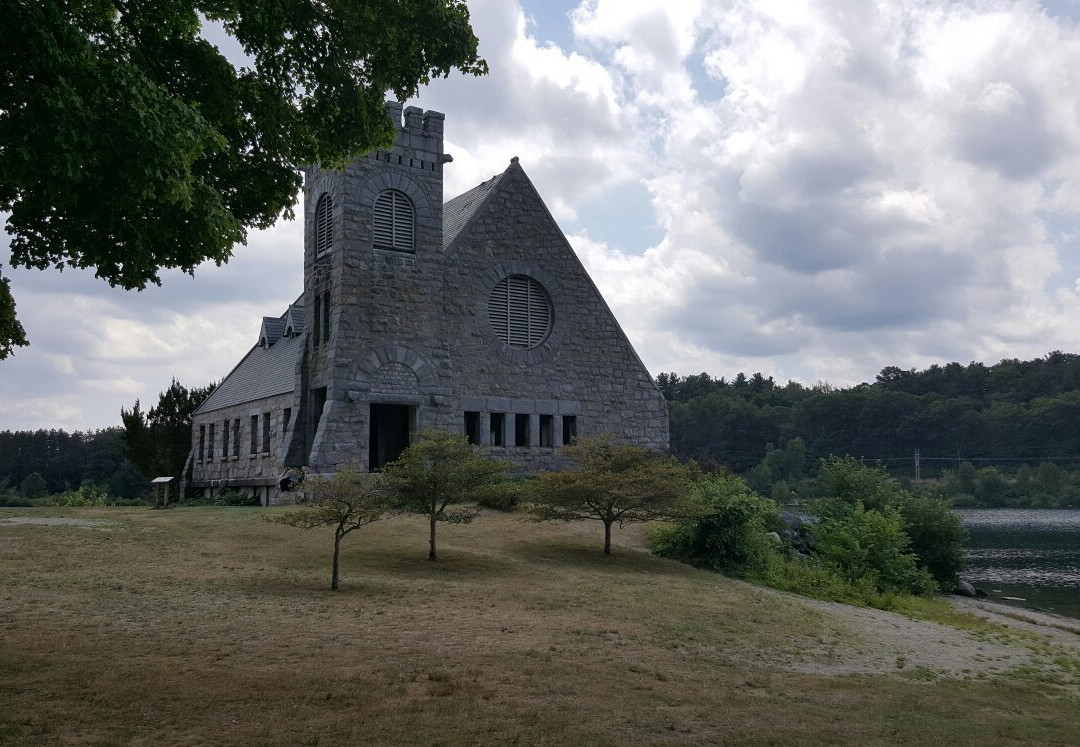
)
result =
(258, 436)
(522, 433)
(393, 223)
(402, 160)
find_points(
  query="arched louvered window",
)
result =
(324, 225)
(520, 311)
(394, 221)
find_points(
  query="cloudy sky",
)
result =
(811, 190)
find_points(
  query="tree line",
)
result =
(46, 461)
(1002, 416)
(116, 463)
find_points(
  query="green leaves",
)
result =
(614, 483)
(129, 144)
(348, 500)
(438, 470)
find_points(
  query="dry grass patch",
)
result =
(207, 624)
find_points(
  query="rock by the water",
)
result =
(964, 589)
(775, 538)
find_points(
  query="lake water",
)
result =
(1026, 552)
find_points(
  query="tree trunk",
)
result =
(431, 552)
(334, 572)
(607, 538)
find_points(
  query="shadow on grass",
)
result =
(374, 570)
(591, 556)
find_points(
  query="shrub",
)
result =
(809, 577)
(730, 535)
(504, 496)
(937, 537)
(33, 486)
(83, 497)
(868, 545)
(230, 497)
(934, 533)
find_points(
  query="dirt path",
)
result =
(859, 640)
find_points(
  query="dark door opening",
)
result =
(390, 429)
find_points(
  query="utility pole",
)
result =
(918, 472)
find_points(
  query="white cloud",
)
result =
(838, 186)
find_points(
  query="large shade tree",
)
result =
(129, 143)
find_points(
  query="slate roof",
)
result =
(273, 328)
(458, 211)
(295, 316)
(264, 371)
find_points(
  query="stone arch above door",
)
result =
(393, 368)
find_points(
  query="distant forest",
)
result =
(44, 462)
(1006, 434)
(994, 424)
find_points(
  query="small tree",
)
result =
(440, 470)
(347, 501)
(614, 483)
(33, 486)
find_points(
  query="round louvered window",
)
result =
(520, 311)
(394, 220)
(324, 225)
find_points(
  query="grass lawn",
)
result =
(198, 625)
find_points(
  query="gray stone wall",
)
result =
(246, 471)
(586, 367)
(384, 304)
(411, 328)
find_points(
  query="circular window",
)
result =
(520, 311)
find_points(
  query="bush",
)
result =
(230, 497)
(33, 486)
(934, 534)
(870, 546)
(83, 497)
(730, 535)
(504, 496)
(937, 537)
(809, 577)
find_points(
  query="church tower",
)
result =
(373, 239)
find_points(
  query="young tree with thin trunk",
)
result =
(614, 483)
(439, 472)
(347, 501)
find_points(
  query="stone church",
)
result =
(472, 316)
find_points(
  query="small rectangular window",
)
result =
(569, 429)
(254, 434)
(202, 442)
(498, 428)
(224, 440)
(547, 431)
(472, 427)
(236, 438)
(211, 443)
(521, 430)
(266, 433)
(286, 418)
